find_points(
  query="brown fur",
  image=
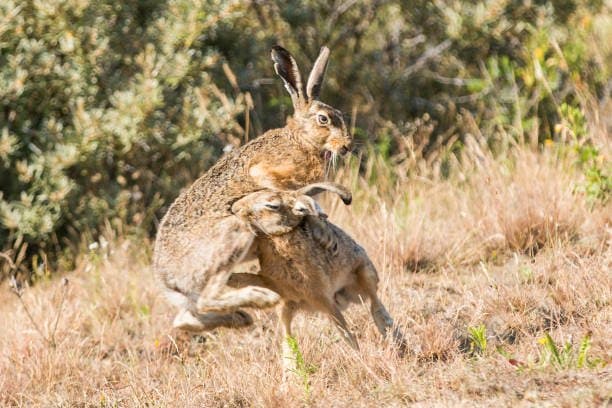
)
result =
(199, 240)
(304, 273)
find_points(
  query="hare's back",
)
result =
(276, 154)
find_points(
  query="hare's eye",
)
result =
(322, 119)
(272, 206)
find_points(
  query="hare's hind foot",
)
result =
(195, 322)
(341, 324)
(385, 326)
(368, 282)
(382, 319)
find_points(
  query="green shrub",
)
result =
(109, 109)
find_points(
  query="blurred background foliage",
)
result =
(110, 108)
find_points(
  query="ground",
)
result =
(501, 285)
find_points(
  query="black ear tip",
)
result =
(279, 50)
(348, 199)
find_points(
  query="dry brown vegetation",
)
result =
(495, 265)
(509, 243)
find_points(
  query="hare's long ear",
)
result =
(286, 67)
(315, 79)
(316, 188)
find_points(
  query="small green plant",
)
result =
(574, 120)
(567, 356)
(478, 339)
(597, 183)
(526, 274)
(302, 369)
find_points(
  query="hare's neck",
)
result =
(300, 135)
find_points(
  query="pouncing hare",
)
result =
(199, 240)
(310, 262)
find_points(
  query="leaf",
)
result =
(585, 345)
(549, 343)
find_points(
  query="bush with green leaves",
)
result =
(110, 108)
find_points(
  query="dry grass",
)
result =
(511, 246)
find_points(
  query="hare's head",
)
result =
(321, 125)
(278, 212)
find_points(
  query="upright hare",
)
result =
(199, 240)
(306, 274)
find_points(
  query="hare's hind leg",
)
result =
(251, 296)
(188, 320)
(239, 280)
(196, 322)
(211, 299)
(249, 292)
(340, 322)
(368, 281)
(384, 323)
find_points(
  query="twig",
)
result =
(17, 289)
(59, 310)
(8, 259)
(338, 11)
(428, 55)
